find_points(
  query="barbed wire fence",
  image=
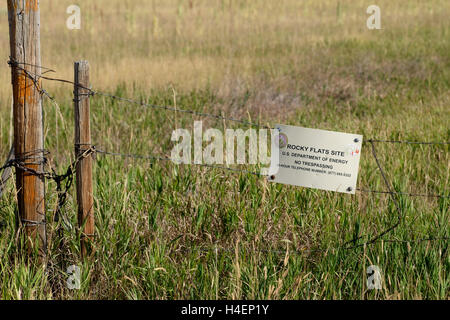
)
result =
(64, 181)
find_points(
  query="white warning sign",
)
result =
(315, 158)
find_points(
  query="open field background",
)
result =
(307, 63)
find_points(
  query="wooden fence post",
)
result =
(85, 197)
(24, 32)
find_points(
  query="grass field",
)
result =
(187, 232)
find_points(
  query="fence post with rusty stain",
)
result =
(24, 32)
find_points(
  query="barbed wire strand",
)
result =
(131, 101)
(409, 142)
(201, 114)
(423, 195)
(159, 158)
(307, 250)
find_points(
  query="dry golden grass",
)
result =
(192, 44)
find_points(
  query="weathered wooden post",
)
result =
(85, 197)
(24, 32)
